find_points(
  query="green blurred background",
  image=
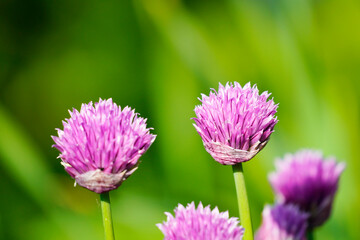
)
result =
(158, 56)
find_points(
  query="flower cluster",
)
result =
(200, 223)
(308, 180)
(100, 146)
(235, 122)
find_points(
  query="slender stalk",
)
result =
(310, 235)
(243, 203)
(106, 214)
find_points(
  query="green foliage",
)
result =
(158, 56)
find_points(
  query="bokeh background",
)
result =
(158, 56)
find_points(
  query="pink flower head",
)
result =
(282, 222)
(200, 224)
(100, 146)
(309, 181)
(235, 122)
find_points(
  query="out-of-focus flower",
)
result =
(309, 181)
(235, 122)
(100, 146)
(200, 223)
(282, 222)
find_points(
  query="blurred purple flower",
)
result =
(309, 181)
(200, 224)
(282, 222)
(235, 122)
(100, 146)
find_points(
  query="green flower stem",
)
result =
(243, 203)
(310, 235)
(106, 214)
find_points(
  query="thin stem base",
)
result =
(244, 210)
(106, 214)
(310, 235)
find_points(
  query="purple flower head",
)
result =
(235, 122)
(309, 181)
(282, 222)
(100, 146)
(200, 224)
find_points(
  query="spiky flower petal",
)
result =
(235, 122)
(309, 181)
(282, 222)
(200, 223)
(100, 146)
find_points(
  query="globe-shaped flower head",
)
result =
(100, 146)
(235, 122)
(309, 181)
(282, 222)
(200, 223)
